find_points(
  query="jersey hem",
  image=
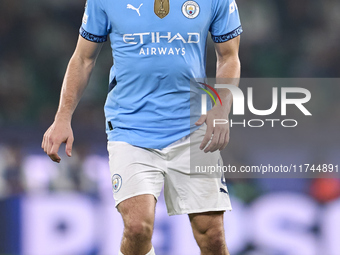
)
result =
(91, 37)
(152, 144)
(228, 36)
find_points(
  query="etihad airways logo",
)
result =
(161, 37)
(157, 37)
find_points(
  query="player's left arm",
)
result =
(227, 71)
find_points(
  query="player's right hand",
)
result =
(59, 132)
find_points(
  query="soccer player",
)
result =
(157, 47)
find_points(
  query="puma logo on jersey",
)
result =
(129, 6)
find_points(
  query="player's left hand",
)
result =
(218, 135)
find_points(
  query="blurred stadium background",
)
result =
(67, 208)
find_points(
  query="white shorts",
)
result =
(137, 171)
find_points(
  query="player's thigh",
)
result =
(138, 211)
(134, 171)
(188, 191)
(202, 222)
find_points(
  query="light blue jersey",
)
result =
(155, 56)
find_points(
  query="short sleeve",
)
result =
(95, 25)
(225, 24)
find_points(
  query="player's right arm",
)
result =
(75, 81)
